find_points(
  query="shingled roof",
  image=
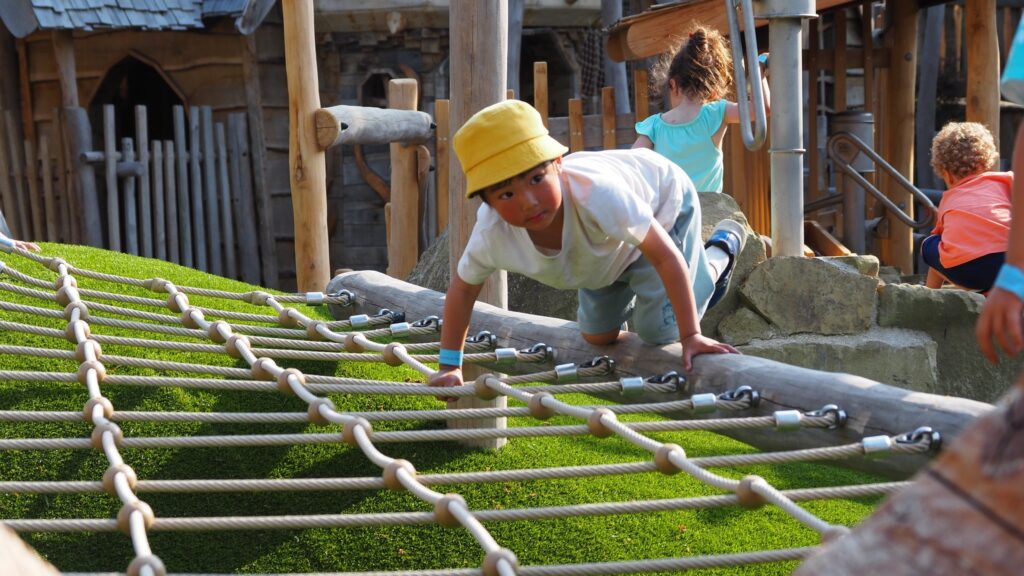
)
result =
(22, 17)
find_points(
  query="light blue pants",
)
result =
(639, 296)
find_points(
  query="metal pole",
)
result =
(785, 20)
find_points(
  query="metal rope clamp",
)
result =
(566, 373)
(315, 298)
(671, 377)
(429, 321)
(833, 410)
(704, 403)
(632, 386)
(540, 348)
(753, 397)
(391, 315)
(400, 329)
(923, 434)
(359, 321)
(600, 361)
(788, 420)
(877, 446)
(505, 356)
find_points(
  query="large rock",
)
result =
(949, 317)
(904, 358)
(744, 325)
(811, 295)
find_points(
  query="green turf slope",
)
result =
(576, 540)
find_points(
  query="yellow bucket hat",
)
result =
(501, 141)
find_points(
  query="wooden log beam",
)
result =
(305, 157)
(874, 408)
(367, 125)
(403, 239)
(20, 558)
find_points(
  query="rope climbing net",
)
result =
(258, 341)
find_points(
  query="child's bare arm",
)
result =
(458, 307)
(934, 279)
(732, 109)
(643, 142)
(659, 250)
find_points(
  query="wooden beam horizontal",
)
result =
(368, 125)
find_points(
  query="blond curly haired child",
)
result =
(968, 244)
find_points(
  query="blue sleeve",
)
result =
(714, 114)
(646, 127)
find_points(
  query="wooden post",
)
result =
(403, 241)
(540, 90)
(159, 242)
(478, 59)
(171, 202)
(983, 65)
(35, 200)
(245, 219)
(10, 203)
(640, 89)
(615, 72)
(213, 232)
(184, 214)
(110, 178)
(868, 24)
(64, 54)
(575, 125)
(131, 208)
(608, 118)
(49, 200)
(79, 142)
(441, 119)
(195, 152)
(145, 199)
(927, 92)
(307, 160)
(17, 166)
(898, 249)
(227, 219)
(839, 60)
(515, 44)
(258, 154)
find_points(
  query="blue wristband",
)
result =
(450, 357)
(1011, 279)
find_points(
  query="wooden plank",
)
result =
(227, 219)
(199, 228)
(514, 43)
(874, 408)
(79, 136)
(241, 192)
(49, 200)
(110, 179)
(64, 56)
(822, 242)
(575, 125)
(928, 78)
(540, 90)
(261, 187)
(868, 34)
(309, 172)
(131, 205)
(6, 191)
(608, 118)
(902, 100)
(983, 72)
(35, 199)
(442, 149)
(403, 239)
(640, 94)
(145, 196)
(159, 236)
(64, 195)
(213, 231)
(184, 212)
(16, 164)
(171, 202)
(27, 126)
(839, 53)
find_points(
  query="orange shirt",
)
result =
(974, 218)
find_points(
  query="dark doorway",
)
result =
(130, 83)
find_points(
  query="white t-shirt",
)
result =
(610, 200)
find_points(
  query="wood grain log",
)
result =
(366, 125)
(874, 408)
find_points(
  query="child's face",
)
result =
(532, 200)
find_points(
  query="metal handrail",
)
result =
(753, 141)
(929, 211)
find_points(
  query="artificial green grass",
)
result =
(576, 540)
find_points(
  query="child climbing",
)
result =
(621, 226)
(697, 79)
(12, 243)
(968, 245)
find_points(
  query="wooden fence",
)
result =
(188, 200)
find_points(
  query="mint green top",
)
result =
(690, 145)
